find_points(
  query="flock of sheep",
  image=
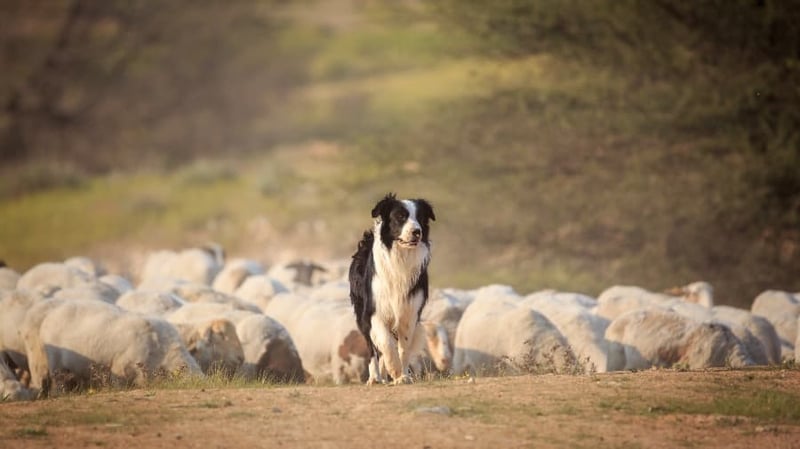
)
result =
(69, 325)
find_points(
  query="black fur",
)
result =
(361, 269)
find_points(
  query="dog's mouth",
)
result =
(408, 243)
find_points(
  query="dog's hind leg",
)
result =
(408, 345)
(413, 348)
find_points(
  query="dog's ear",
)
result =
(425, 208)
(383, 204)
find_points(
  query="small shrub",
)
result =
(205, 172)
(40, 176)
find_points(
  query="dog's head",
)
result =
(405, 222)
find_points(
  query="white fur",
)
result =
(499, 334)
(268, 348)
(75, 335)
(214, 344)
(644, 338)
(619, 299)
(192, 265)
(437, 355)
(8, 278)
(583, 330)
(234, 273)
(149, 303)
(321, 330)
(782, 309)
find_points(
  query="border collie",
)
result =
(389, 285)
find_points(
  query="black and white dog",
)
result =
(389, 284)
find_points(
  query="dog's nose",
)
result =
(417, 233)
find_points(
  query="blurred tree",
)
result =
(732, 73)
(113, 83)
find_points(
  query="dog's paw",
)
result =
(374, 382)
(403, 380)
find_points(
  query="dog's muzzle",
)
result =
(416, 236)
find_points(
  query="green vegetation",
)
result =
(31, 432)
(652, 143)
(763, 405)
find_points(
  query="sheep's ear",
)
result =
(191, 344)
(383, 205)
(208, 333)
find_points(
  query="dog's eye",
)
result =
(400, 216)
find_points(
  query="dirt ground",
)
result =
(652, 409)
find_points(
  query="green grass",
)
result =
(31, 432)
(763, 405)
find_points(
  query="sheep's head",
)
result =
(216, 347)
(438, 344)
(699, 293)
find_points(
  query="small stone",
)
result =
(469, 437)
(437, 410)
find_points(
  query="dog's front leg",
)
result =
(374, 371)
(387, 345)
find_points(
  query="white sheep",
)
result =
(13, 307)
(197, 293)
(63, 281)
(756, 334)
(92, 268)
(326, 336)
(445, 307)
(83, 338)
(234, 273)
(10, 388)
(338, 290)
(214, 344)
(196, 265)
(269, 351)
(583, 330)
(259, 290)
(120, 283)
(437, 355)
(644, 338)
(797, 344)
(497, 334)
(334, 270)
(49, 277)
(94, 290)
(149, 303)
(8, 278)
(782, 309)
(760, 328)
(619, 299)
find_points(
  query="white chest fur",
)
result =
(396, 272)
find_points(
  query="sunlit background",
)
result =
(564, 144)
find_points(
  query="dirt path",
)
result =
(654, 409)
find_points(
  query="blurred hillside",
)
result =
(563, 146)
